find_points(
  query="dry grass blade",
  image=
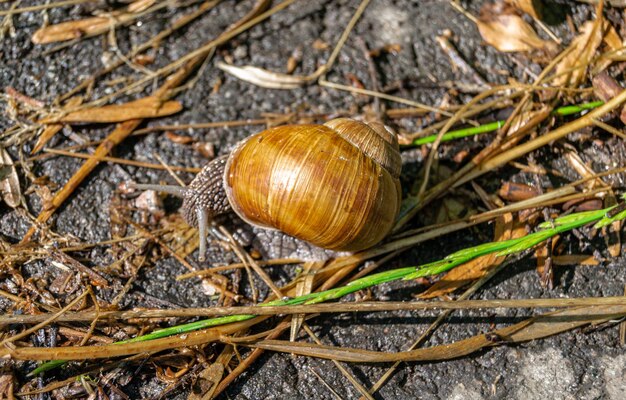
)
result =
(147, 107)
(531, 329)
(137, 50)
(200, 52)
(575, 259)
(123, 349)
(560, 132)
(52, 129)
(124, 161)
(322, 308)
(9, 181)
(304, 286)
(340, 367)
(248, 361)
(91, 26)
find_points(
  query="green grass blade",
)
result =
(503, 248)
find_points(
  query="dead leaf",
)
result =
(510, 33)
(605, 87)
(7, 384)
(9, 181)
(575, 259)
(573, 67)
(178, 139)
(89, 26)
(615, 48)
(319, 44)
(206, 382)
(475, 269)
(268, 79)
(533, 8)
(513, 191)
(147, 107)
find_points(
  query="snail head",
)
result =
(203, 199)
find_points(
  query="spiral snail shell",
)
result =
(333, 185)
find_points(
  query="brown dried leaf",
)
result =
(206, 382)
(531, 7)
(605, 87)
(147, 107)
(510, 33)
(7, 384)
(9, 181)
(573, 67)
(178, 139)
(575, 259)
(392, 48)
(72, 30)
(614, 46)
(513, 191)
(267, 79)
(475, 269)
(319, 44)
(89, 26)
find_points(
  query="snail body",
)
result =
(333, 185)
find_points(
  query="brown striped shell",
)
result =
(334, 185)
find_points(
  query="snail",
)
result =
(334, 185)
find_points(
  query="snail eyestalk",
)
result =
(178, 191)
(203, 222)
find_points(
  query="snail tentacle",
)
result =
(203, 222)
(178, 191)
(205, 198)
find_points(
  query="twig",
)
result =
(330, 308)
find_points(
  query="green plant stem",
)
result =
(494, 126)
(502, 248)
